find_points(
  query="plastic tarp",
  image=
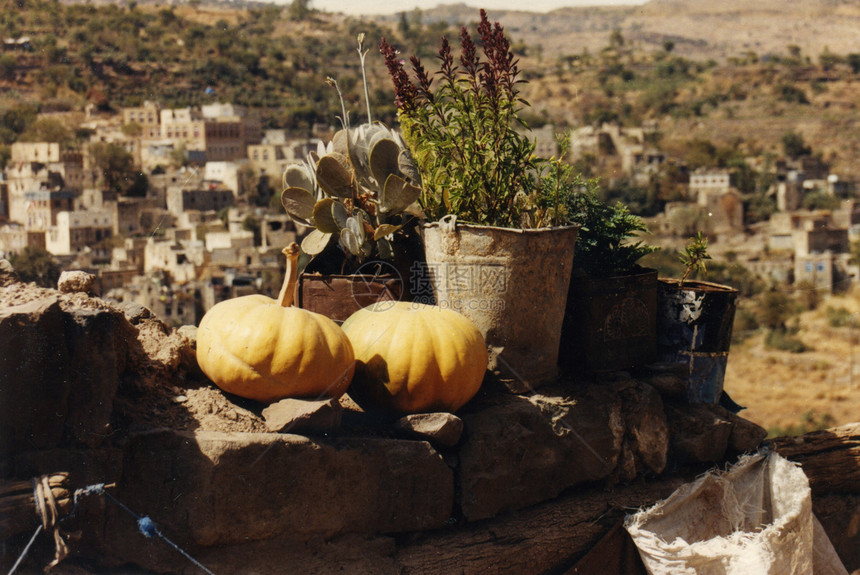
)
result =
(754, 518)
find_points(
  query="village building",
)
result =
(77, 231)
(43, 206)
(226, 174)
(37, 167)
(220, 131)
(211, 198)
(148, 117)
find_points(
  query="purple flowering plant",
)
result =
(462, 124)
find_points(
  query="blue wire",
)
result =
(145, 525)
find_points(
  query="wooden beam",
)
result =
(830, 458)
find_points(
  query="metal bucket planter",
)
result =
(610, 324)
(339, 296)
(512, 284)
(694, 328)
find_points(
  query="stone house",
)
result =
(130, 255)
(704, 181)
(173, 303)
(220, 131)
(720, 201)
(272, 159)
(127, 214)
(225, 174)
(185, 177)
(546, 145)
(147, 117)
(277, 230)
(38, 166)
(76, 231)
(215, 198)
(14, 237)
(44, 205)
(819, 244)
(181, 260)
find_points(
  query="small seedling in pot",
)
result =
(694, 256)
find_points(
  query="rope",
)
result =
(46, 507)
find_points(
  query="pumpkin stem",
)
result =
(285, 298)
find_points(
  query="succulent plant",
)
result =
(358, 190)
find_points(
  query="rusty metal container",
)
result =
(610, 323)
(339, 296)
(694, 327)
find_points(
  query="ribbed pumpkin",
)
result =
(414, 358)
(264, 349)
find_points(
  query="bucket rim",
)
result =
(480, 227)
(700, 285)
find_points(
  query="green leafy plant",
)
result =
(695, 256)
(605, 244)
(463, 125)
(358, 191)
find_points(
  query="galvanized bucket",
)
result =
(512, 283)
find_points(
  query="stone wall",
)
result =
(112, 396)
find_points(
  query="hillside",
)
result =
(790, 393)
(700, 29)
(738, 75)
(715, 100)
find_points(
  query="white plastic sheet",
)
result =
(755, 518)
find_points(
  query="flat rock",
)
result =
(527, 449)
(303, 416)
(441, 428)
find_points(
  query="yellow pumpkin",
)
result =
(415, 358)
(264, 349)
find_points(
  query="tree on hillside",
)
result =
(299, 9)
(774, 309)
(48, 130)
(793, 145)
(35, 264)
(116, 169)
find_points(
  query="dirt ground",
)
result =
(788, 393)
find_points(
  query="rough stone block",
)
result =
(697, 433)
(76, 281)
(527, 449)
(33, 390)
(59, 372)
(303, 416)
(647, 431)
(218, 488)
(746, 436)
(442, 428)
